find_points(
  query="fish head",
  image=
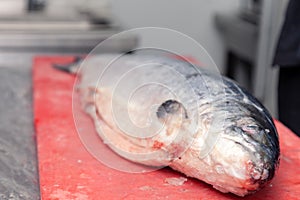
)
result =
(237, 148)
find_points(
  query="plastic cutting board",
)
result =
(68, 171)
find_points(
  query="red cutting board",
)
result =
(68, 171)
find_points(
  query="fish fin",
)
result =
(70, 68)
(88, 96)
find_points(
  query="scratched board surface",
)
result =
(68, 171)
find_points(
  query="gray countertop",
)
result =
(18, 158)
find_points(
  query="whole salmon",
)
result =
(159, 111)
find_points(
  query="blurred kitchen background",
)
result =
(240, 35)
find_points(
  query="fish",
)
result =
(160, 111)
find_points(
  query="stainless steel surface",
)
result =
(256, 43)
(269, 30)
(18, 163)
(239, 35)
(59, 42)
(43, 34)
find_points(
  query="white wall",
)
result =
(192, 17)
(12, 7)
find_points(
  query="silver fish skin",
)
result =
(159, 111)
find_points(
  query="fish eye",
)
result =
(170, 107)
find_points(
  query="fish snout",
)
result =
(260, 172)
(264, 151)
(261, 150)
